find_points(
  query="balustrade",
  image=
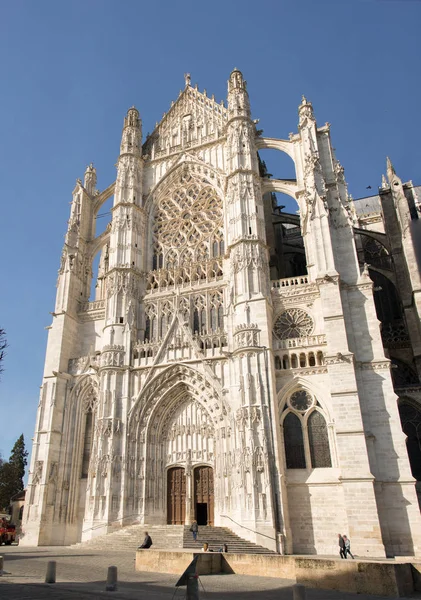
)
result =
(179, 347)
(290, 282)
(90, 306)
(188, 275)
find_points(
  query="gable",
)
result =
(193, 120)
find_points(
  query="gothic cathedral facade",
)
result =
(231, 368)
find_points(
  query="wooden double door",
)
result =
(202, 500)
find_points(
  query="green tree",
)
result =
(12, 472)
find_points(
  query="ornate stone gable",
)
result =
(194, 119)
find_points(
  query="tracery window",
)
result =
(87, 442)
(293, 323)
(306, 438)
(411, 426)
(294, 442)
(375, 253)
(188, 223)
(151, 323)
(402, 374)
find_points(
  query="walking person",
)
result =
(341, 541)
(347, 546)
(194, 529)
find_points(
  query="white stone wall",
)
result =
(185, 398)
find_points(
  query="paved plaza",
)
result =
(81, 574)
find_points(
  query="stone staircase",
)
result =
(172, 537)
(130, 537)
(217, 536)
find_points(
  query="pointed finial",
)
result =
(303, 100)
(390, 169)
(384, 181)
(187, 79)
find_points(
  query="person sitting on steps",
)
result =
(147, 542)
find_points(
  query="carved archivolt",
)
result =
(170, 380)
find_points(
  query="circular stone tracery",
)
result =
(301, 401)
(293, 323)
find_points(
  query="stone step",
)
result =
(217, 536)
(169, 537)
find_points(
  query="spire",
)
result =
(187, 79)
(238, 99)
(89, 181)
(305, 112)
(131, 139)
(236, 81)
(390, 169)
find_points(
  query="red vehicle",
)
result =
(7, 532)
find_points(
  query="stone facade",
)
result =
(231, 367)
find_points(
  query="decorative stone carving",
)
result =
(246, 335)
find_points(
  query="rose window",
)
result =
(293, 323)
(189, 215)
(301, 401)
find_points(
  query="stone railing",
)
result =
(190, 274)
(90, 306)
(211, 344)
(290, 282)
(304, 342)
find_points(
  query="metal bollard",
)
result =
(51, 572)
(298, 592)
(192, 587)
(1, 566)
(111, 584)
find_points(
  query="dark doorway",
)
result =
(202, 513)
(176, 496)
(203, 495)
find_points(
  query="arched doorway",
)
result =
(176, 496)
(203, 495)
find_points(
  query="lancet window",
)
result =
(306, 437)
(88, 432)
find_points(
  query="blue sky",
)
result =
(70, 70)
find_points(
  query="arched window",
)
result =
(147, 329)
(294, 442)
(318, 440)
(87, 443)
(221, 317)
(203, 321)
(196, 324)
(277, 363)
(306, 440)
(213, 319)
